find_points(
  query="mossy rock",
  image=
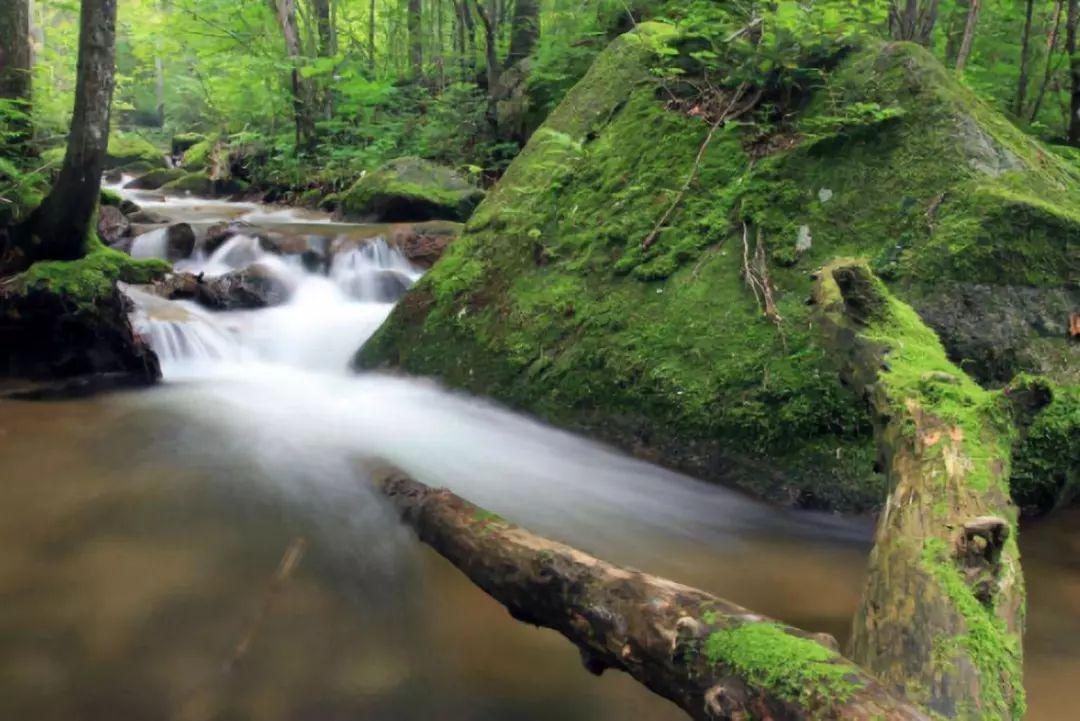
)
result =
(199, 155)
(549, 303)
(200, 183)
(126, 149)
(61, 319)
(156, 179)
(410, 189)
(182, 142)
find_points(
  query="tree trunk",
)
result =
(1074, 73)
(16, 64)
(302, 96)
(1051, 50)
(1025, 52)
(469, 31)
(371, 37)
(713, 658)
(324, 26)
(941, 617)
(58, 229)
(969, 35)
(914, 21)
(416, 38)
(491, 50)
(524, 30)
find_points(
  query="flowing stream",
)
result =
(143, 529)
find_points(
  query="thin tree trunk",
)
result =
(1051, 50)
(416, 38)
(699, 651)
(16, 64)
(524, 30)
(1074, 73)
(327, 49)
(1025, 51)
(969, 34)
(491, 51)
(942, 613)
(371, 37)
(58, 229)
(469, 24)
(914, 21)
(302, 100)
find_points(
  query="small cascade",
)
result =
(374, 272)
(150, 245)
(180, 331)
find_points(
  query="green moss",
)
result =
(199, 155)
(86, 281)
(199, 183)
(986, 641)
(797, 669)
(110, 197)
(127, 148)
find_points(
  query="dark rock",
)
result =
(179, 242)
(155, 179)
(129, 207)
(218, 234)
(112, 226)
(252, 287)
(421, 246)
(44, 335)
(988, 330)
(203, 185)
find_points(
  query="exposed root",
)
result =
(756, 275)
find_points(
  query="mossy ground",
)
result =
(549, 303)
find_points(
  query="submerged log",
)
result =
(941, 617)
(713, 658)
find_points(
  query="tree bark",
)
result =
(58, 229)
(713, 658)
(969, 35)
(416, 38)
(324, 26)
(371, 37)
(16, 64)
(491, 51)
(914, 21)
(302, 96)
(941, 617)
(524, 30)
(1051, 49)
(1074, 73)
(1025, 51)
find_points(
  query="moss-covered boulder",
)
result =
(67, 319)
(182, 142)
(550, 303)
(410, 189)
(127, 149)
(199, 183)
(156, 178)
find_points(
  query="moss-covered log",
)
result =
(942, 613)
(713, 658)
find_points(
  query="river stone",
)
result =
(253, 287)
(155, 179)
(113, 227)
(147, 217)
(219, 233)
(179, 242)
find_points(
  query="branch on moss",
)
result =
(713, 658)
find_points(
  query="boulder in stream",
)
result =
(410, 189)
(155, 179)
(113, 226)
(253, 287)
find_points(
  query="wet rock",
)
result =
(410, 189)
(422, 246)
(147, 217)
(155, 179)
(182, 142)
(179, 242)
(129, 207)
(203, 185)
(217, 235)
(253, 287)
(113, 226)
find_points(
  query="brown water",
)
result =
(136, 550)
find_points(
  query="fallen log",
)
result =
(942, 613)
(713, 658)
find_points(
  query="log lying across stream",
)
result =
(713, 658)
